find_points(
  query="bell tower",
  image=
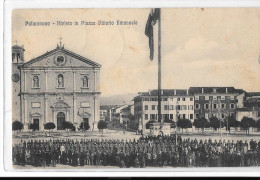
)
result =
(17, 60)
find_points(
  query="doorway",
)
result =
(36, 124)
(60, 121)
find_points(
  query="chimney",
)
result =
(187, 92)
(202, 90)
(226, 90)
(174, 91)
(149, 92)
(161, 92)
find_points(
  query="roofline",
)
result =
(48, 53)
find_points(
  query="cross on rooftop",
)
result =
(60, 40)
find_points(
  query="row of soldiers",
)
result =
(149, 151)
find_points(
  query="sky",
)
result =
(200, 47)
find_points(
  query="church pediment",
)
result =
(60, 104)
(60, 57)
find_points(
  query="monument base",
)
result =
(158, 128)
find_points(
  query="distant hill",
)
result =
(117, 99)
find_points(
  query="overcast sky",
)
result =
(200, 47)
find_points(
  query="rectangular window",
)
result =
(183, 99)
(191, 116)
(171, 107)
(178, 107)
(171, 116)
(153, 107)
(178, 99)
(232, 106)
(196, 97)
(206, 106)
(165, 99)
(191, 99)
(207, 98)
(191, 107)
(184, 116)
(183, 107)
(146, 116)
(222, 97)
(146, 107)
(165, 107)
(36, 104)
(222, 115)
(223, 106)
(232, 97)
(197, 106)
(214, 106)
(214, 97)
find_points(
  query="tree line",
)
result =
(213, 122)
(68, 126)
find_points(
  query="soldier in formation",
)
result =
(152, 151)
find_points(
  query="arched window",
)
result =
(85, 81)
(18, 56)
(36, 81)
(60, 80)
(13, 56)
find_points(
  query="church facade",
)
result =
(57, 86)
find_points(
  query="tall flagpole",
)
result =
(159, 69)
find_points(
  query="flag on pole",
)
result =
(153, 17)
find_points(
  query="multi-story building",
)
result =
(57, 86)
(174, 102)
(251, 107)
(127, 115)
(115, 115)
(216, 101)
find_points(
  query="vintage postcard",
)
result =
(135, 88)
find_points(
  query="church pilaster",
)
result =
(45, 108)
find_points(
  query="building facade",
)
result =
(57, 86)
(216, 101)
(176, 103)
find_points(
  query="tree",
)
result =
(68, 126)
(214, 122)
(231, 122)
(200, 123)
(17, 126)
(184, 124)
(49, 126)
(102, 125)
(170, 121)
(246, 123)
(84, 126)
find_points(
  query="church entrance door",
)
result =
(36, 124)
(60, 121)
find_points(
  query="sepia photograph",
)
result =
(133, 88)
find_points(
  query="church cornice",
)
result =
(55, 68)
(56, 93)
